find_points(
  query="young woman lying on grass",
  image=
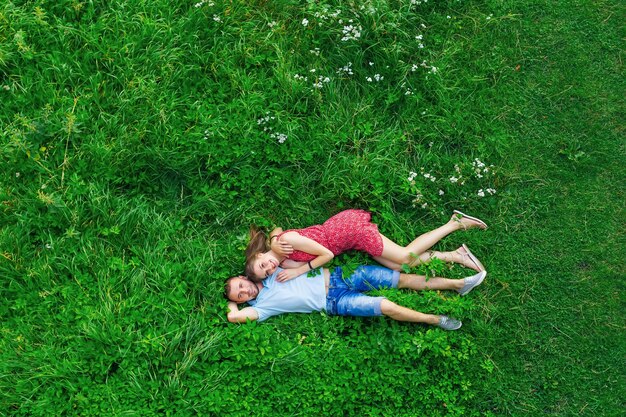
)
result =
(316, 245)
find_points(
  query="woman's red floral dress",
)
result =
(348, 230)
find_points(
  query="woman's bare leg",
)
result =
(389, 264)
(415, 252)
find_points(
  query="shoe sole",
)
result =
(471, 218)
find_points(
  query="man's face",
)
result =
(242, 290)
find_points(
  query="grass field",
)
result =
(140, 140)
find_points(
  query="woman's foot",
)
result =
(468, 260)
(467, 222)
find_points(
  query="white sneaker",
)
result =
(447, 323)
(471, 282)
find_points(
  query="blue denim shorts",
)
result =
(345, 295)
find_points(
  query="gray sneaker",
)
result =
(447, 323)
(471, 282)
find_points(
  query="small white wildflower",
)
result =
(414, 67)
(317, 85)
(378, 77)
(423, 26)
(424, 205)
(347, 69)
(456, 168)
(6, 87)
(433, 70)
(312, 70)
(369, 79)
(216, 18)
(419, 37)
(305, 22)
(17, 175)
(481, 193)
(48, 246)
(351, 33)
(371, 63)
(430, 144)
(326, 80)
(420, 46)
(448, 17)
(454, 180)
(412, 176)
(315, 51)
(491, 191)
(272, 24)
(441, 192)
(408, 92)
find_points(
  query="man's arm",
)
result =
(241, 316)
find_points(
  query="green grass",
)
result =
(136, 150)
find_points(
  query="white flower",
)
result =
(481, 193)
(424, 205)
(280, 136)
(378, 77)
(305, 22)
(369, 79)
(454, 180)
(17, 175)
(491, 191)
(216, 18)
(272, 24)
(412, 175)
(441, 192)
(448, 17)
(351, 32)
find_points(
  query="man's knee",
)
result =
(389, 308)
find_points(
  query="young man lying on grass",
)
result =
(321, 289)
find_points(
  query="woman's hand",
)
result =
(287, 274)
(281, 248)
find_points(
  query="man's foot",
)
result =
(468, 259)
(447, 323)
(468, 222)
(471, 282)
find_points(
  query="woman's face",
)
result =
(265, 265)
